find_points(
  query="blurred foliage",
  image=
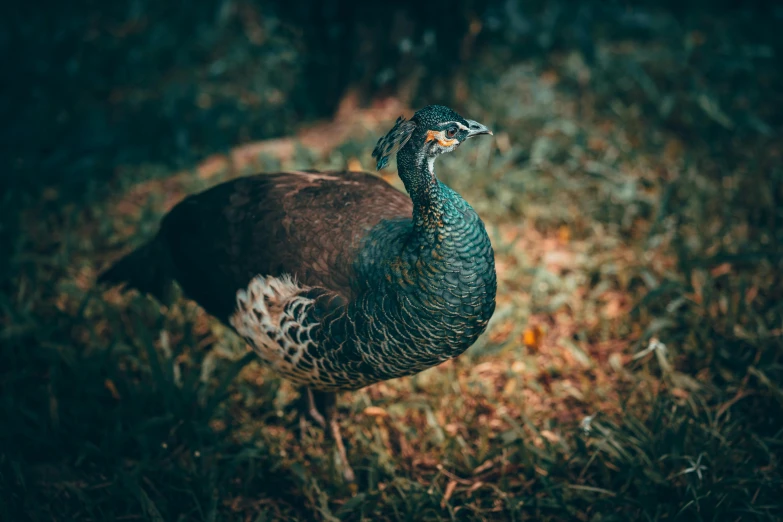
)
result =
(634, 194)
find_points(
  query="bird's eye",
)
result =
(451, 132)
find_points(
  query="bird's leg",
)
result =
(312, 409)
(308, 408)
(338, 439)
(329, 401)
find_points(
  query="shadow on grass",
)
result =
(109, 434)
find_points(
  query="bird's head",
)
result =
(433, 130)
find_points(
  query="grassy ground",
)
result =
(632, 370)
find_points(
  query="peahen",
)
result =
(336, 279)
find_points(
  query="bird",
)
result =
(337, 280)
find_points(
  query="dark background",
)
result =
(87, 82)
(643, 136)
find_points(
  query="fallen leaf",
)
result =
(354, 165)
(375, 411)
(532, 337)
(449, 491)
(564, 234)
(109, 384)
(484, 467)
(722, 269)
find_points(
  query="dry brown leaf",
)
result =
(532, 337)
(354, 165)
(375, 411)
(109, 384)
(449, 491)
(722, 269)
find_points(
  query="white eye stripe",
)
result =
(458, 124)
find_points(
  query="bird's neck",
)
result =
(429, 196)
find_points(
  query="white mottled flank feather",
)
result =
(269, 316)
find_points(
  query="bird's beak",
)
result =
(475, 128)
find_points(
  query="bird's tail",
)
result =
(147, 269)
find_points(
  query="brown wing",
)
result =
(307, 224)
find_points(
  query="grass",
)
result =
(632, 370)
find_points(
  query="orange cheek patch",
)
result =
(440, 138)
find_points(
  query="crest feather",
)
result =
(393, 141)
